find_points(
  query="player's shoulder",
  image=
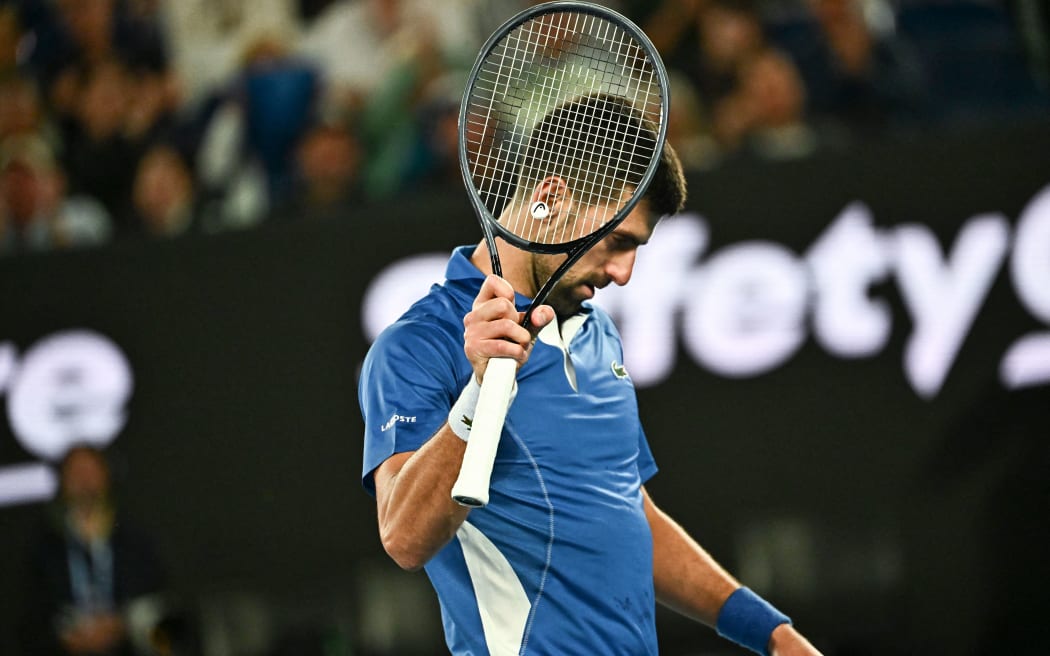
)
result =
(433, 322)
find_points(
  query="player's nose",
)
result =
(620, 267)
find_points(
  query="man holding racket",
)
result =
(552, 546)
(567, 556)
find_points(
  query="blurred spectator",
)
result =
(105, 134)
(765, 114)
(81, 34)
(688, 126)
(10, 36)
(22, 110)
(88, 567)
(730, 34)
(232, 184)
(279, 91)
(164, 199)
(438, 119)
(379, 57)
(672, 27)
(90, 27)
(35, 213)
(857, 70)
(209, 38)
(101, 66)
(361, 44)
(488, 15)
(708, 41)
(245, 161)
(328, 163)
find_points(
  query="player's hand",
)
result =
(493, 327)
(786, 641)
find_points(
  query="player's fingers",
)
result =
(500, 330)
(492, 309)
(480, 353)
(494, 287)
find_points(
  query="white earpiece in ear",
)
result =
(539, 210)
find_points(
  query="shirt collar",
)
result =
(461, 270)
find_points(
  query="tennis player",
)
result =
(571, 554)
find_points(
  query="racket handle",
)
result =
(472, 486)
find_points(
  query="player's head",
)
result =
(588, 155)
(611, 261)
(667, 191)
(594, 145)
(619, 144)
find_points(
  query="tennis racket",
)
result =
(561, 129)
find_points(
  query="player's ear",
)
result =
(549, 198)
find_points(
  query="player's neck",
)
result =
(515, 263)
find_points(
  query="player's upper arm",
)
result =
(384, 474)
(408, 382)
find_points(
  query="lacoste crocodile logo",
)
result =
(619, 370)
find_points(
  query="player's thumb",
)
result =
(540, 317)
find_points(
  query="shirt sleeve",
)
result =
(409, 380)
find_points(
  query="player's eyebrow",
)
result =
(632, 238)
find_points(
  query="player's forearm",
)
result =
(417, 516)
(687, 579)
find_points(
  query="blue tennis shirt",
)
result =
(560, 560)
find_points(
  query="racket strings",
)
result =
(590, 74)
(566, 147)
(570, 135)
(582, 136)
(549, 87)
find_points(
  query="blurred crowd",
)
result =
(138, 119)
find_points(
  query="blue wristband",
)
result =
(749, 620)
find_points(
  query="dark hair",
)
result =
(667, 191)
(601, 124)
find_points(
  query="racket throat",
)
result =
(494, 261)
(547, 287)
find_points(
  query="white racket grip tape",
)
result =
(472, 486)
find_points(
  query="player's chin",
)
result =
(579, 294)
(567, 304)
